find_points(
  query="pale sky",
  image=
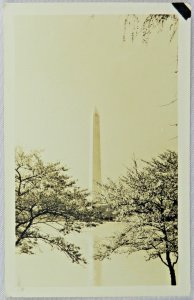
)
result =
(65, 66)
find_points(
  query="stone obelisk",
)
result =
(96, 178)
(96, 153)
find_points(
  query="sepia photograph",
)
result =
(95, 149)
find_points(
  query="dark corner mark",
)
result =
(182, 9)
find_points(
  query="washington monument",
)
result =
(96, 178)
(96, 163)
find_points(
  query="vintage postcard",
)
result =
(97, 99)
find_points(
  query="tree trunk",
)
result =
(23, 233)
(171, 269)
(172, 275)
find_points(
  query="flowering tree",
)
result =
(46, 197)
(147, 201)
(152, 23)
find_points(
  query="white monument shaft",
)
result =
(96, 178)
(96, 152)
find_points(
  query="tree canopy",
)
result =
(146, 200)
(133, 27)
(46, 196)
